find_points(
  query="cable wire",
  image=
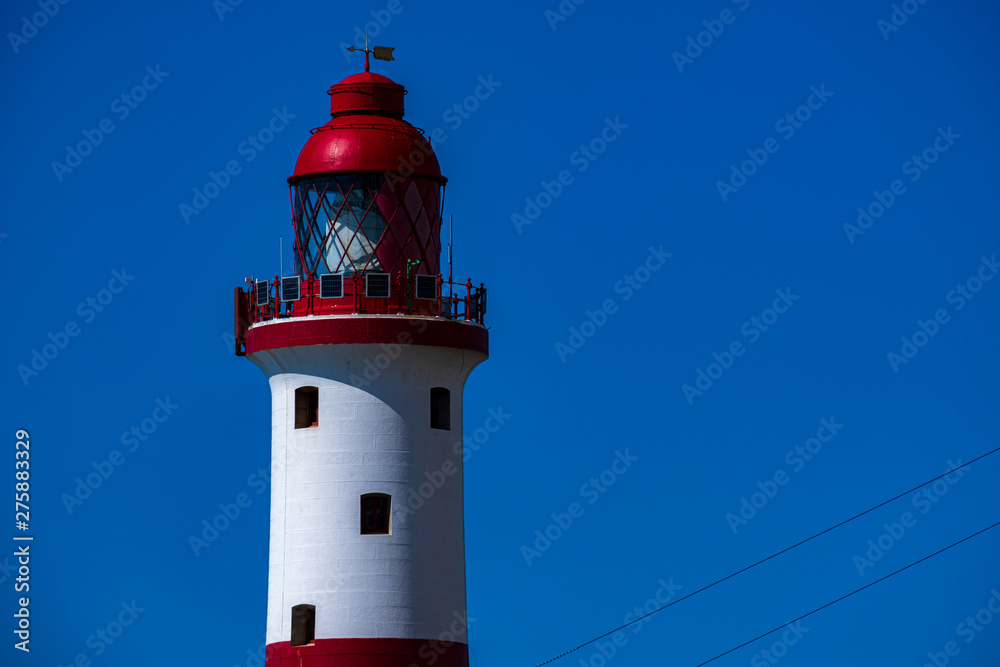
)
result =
(844, 597)
(774, 555)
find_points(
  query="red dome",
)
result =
(367, 133)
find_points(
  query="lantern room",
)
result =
(367, 189)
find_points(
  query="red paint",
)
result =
(294, 332)
(467, 302)
(367, 134)
(363, 92)
(368, 653)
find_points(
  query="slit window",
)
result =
(441, 408)
(306, 407)
(303, 624)
(375, 514)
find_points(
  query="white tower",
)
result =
(367, 350)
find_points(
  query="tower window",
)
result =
(306, 407)
(303, 624)
(441, 408)
(375, 513)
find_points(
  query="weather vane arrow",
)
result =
(380, 52)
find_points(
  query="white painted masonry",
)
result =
(375, 437)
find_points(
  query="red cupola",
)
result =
(366, 192)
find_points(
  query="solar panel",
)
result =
(331, 286)
(290, 289)
(377, 285)
(427, 287)
(263, 297)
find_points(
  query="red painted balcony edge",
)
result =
(362, 329)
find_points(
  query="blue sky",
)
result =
(739, 138)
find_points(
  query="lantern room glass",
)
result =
(355, 223)
(337, 224)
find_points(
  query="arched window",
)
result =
(303, 624)
(376, 514)
(441, 408)
(306, 407)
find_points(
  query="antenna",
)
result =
(451, 242)
(281, 258)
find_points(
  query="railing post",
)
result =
(468, 298)
(355, 279)
(482, 302)
(277, 297)
(310, 304)
(440, 285)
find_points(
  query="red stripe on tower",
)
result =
(369, 653)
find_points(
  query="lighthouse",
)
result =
(366, 346)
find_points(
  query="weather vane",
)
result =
(380, 52)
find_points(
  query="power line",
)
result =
(844, 597)
(774, 555)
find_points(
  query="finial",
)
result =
(380, 52)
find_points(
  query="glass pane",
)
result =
(337, 224)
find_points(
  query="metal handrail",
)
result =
(464, 301)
